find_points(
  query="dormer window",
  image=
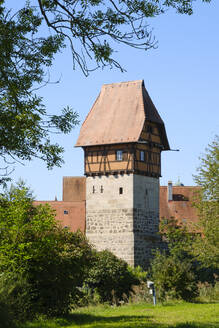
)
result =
(119, 155)
(142, 156)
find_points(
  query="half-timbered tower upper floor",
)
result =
(123, 132)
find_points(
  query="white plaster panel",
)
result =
(110, 197)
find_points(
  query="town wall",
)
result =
(71, 215)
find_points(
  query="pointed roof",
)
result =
(118, 115)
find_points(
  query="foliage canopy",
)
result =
(192, 257)
(207, 203)
(173, 269)
(25, 125)
(41, 264)
(93, 27)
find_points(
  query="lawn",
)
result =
(181, 315)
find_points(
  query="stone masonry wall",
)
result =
(146, 218)
(109, 214)
(125, 223)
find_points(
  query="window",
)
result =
(101, 189)
(119, 155)
(142, 156)
(93, 190)
(120, 190)
(65, 212)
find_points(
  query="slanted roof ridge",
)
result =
(89, 113)
(123, 83)
(142, 109)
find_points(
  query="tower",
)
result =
(122, 137)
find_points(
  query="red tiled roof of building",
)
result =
(118, 115)
(181, 206)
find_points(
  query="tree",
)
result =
(41, 264)
(24, 124)
(174, 277)
(176, 237)
(173, 269)
(206, 247)
(192, 257)
(92, 28)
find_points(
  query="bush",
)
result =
(6, 320)
(140, 293)
(44, 263)
(174, 270)
(208, 292)
(110, 277)
(174, 277)
(138, 273)
(15, 294)
(85, 296)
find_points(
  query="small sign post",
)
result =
(150, 285)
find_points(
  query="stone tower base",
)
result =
(122, 215)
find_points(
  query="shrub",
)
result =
(208, 292)
(6, 320)
(110, 277)
(15, 294)
(43, 262)
(85, 296)
(138, 273)
(174, 277)
(174, 270)
(140, 293)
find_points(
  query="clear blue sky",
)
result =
(182, 78)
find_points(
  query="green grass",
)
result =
(181, 315)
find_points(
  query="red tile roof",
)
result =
(181, 206)
(118, 115)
